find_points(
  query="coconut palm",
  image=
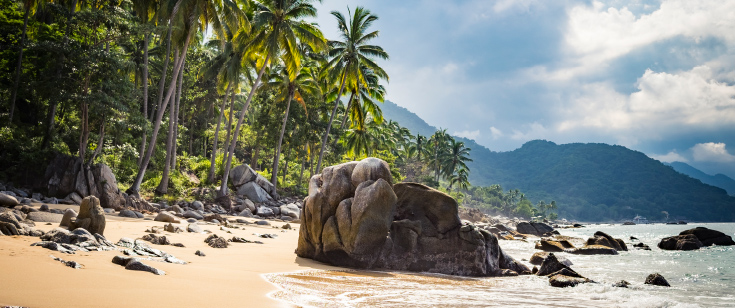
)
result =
(460, 178)
(278, 29)
(439, 144)
(289, 86)
(350, 54)
(455, 157)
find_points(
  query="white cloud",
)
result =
(533, 131)
(468, 134)
(665, 104)
(598, 34)
(712, 152)
(670, 157)
(495, 133)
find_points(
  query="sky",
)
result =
(654, 76)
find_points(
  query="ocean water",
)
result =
(700, 278)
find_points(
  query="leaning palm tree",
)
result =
(289, 86)
(350, 54)
(278, 29)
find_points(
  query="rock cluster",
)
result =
(355, 217)
(69, 242)
(560, 275)
(696, 238)
(251, 184)
(534, 228)
(67, 178)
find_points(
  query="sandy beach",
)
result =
(229, 277)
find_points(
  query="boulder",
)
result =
(290, 210)
(8, 200)
(254, 192)
(241, 175)
(109, 194)
(267, 186)
(45, 217)
(194, 228)
(193, 214)
(215, 241)
(592, 250)
(245, 213)
(371, 169)
(127, 213)
(603, 239)
(710, 237)
(247, 204)
(533, 228)
(563, 281)
(91, 216)
(69, 215)
(405, 227)
(657, 280)
(9, 224)
(551, 265)
(197, 205)
(680, 242)
(554, 246)
(539, 257)
(166, 217)
(265, 211)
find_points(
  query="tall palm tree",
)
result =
(350, 54)
(460, 178)
(455, 158)
(289, 86)
(279, 28)
(366, 94)
(438, 142)
(28, 7)
(145, 10)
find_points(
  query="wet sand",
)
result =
(230, 277)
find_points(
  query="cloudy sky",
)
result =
(654, 76)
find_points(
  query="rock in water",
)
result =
(657, 280)
(710, 237)
(680, 242)
(91, 216)
(563, 281)
(534, 228)
(354, 217)
(603, 239)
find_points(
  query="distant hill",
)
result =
(589, 182)
(718, 180)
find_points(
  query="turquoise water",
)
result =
(701, 278)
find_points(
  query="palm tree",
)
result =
(350, 54)
(28, 7)
(145, 9)
(455, 158)
(439, 146)
(290, 86)
(279, 27)
(461, 178)
(365, 94)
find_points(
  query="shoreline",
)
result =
(228, 277)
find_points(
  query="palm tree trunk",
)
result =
(256, 152)
(18, 67)
(229, 123)
(210, 175)
(303, 163)
(285, 165)
(274, 176)
(84, 136)
(331, 118)
(135, 188)
(146, 39)
(231, 151)
(174, 145)
(163, 185)
(347, 111)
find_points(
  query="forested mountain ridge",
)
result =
(592, 182)
(719, 180)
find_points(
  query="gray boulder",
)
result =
(371, 169)
(245, 213)
(533, 228)
(45, 217)
(254, 192)
(290, 210)
(267, 186)
(109, 194)
(194, 228)
(128, 214)
(193, 214)
(657, 280)
(197, 205)
(8, 200)
(242, 174)
(265, 211)
(74, 197)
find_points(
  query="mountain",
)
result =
(589, 182)
(718, 180)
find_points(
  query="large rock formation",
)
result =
(354, 217)
(696, 238)
(254, 186)
(91, 216)
(66, 177)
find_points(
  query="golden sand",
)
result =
(230, 277)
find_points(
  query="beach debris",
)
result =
(72, 264)
(237, 239)
(657, 280)
(134, 264)
(200, 253)
(215, 241)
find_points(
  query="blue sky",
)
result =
(654, 76)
